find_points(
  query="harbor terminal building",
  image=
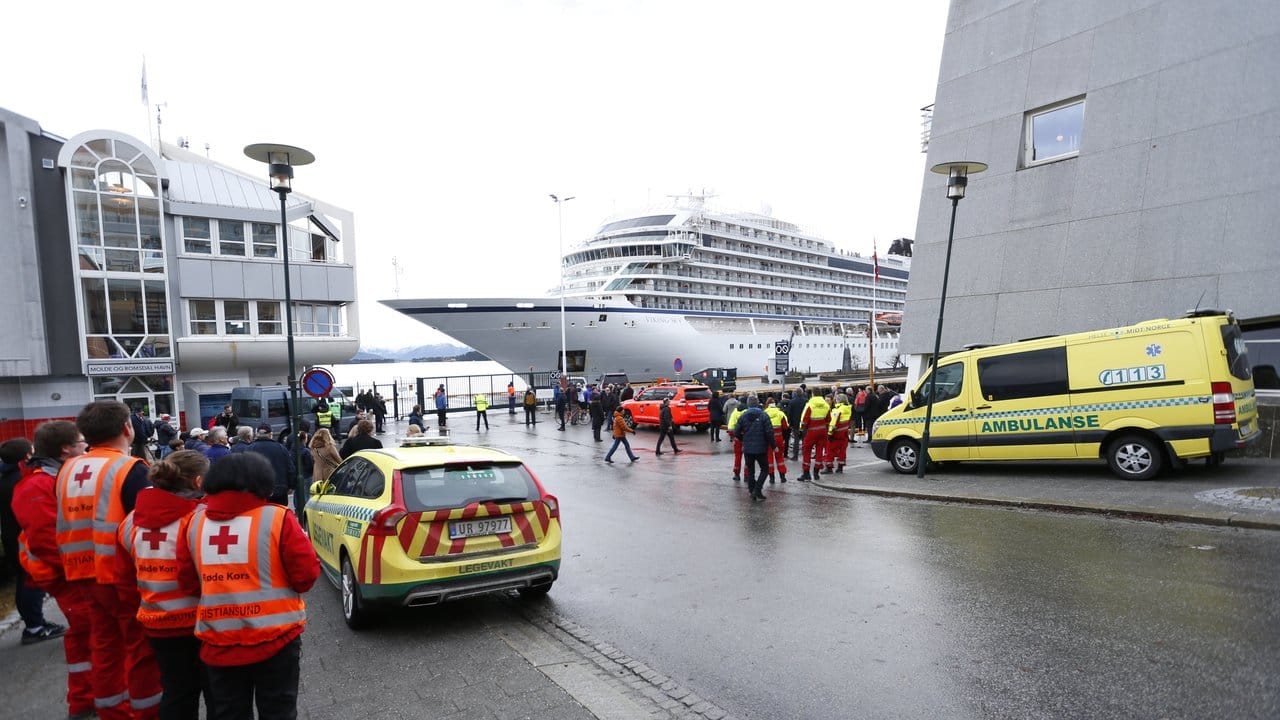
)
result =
(1132, 152)
(155, 278)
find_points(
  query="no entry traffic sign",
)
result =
(317, 382)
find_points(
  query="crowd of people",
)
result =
(180, 578)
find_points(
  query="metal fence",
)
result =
(401, 394)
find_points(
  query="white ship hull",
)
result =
(614, 336)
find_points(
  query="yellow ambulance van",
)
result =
(1139, 397)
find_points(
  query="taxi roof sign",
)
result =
(424, 440)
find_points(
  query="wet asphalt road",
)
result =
(818, 604)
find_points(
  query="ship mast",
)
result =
(871, 328)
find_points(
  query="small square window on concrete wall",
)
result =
(1053, 132)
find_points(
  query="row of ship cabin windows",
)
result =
(262, 317)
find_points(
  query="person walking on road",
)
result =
(249, 563)
(597, 416)
(95, 492)
(35, 510)
(666, 427)
(361, 438)
(281, 463)
(482, 406)
(562, 403)
(28, 598)
(442, 405)
(755, 432)
(716, 411)
(813, 429)
(620, 431)
(530, 408)
(146, 572)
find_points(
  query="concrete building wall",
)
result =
(1170, 202)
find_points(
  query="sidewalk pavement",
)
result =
(1240, 492)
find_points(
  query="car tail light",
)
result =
(552, 504)
(1224, 404)
(385, 520)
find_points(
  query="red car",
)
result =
(690, 405)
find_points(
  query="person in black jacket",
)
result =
(666, 427)
(795, 413)
(756, 433)
(597, 416)
(281, 462)
(361, 438)
(717, 415)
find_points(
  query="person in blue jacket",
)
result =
(755, 432)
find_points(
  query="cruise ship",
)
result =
(666, 292)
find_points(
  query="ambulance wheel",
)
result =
(1135, 457)
(903, 455)
(353, 611)
(630, 421)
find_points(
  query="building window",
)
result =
(1053, 133)
(268, 318)
(235, 317)
(231, 238)
(204, 317)
(265, 243)
(196, 236)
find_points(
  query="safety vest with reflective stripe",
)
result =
(482, 403)
(778, 419)
(815, 414)
(328, 418)
(154, 551)
(245, 595)
(90, 511)
(841, 415)
(733, 418)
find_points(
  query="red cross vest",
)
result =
(90, 511)
(245, 594)
(155, 560)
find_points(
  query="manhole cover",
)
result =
(1258, 499)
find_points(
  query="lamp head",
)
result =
(280, 160)
(958, 176)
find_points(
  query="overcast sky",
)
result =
(444, 125)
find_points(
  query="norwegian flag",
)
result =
(875, 258)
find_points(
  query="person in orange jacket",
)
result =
(35, 506)
(251, 614)
(95, 491)
(620, 431)
(147, 576)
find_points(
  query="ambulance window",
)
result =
(950, 381)
(372, 483)
(1022, 375)
(1237, 355)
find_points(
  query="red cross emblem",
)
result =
(84, 474)
(223, 539)
(155, 537)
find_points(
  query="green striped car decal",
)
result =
(355, 512)
(1063, 410)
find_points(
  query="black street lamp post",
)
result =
(957, 180)
(280, 160)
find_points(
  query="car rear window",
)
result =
(1237, 354)
(461, 484)
(697, 394)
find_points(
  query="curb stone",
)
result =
(1221, 519)
(678, 700)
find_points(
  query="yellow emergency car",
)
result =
(1139, 397)
(430, 522)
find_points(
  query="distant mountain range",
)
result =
(442, 351)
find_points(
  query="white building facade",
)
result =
(157, 278)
